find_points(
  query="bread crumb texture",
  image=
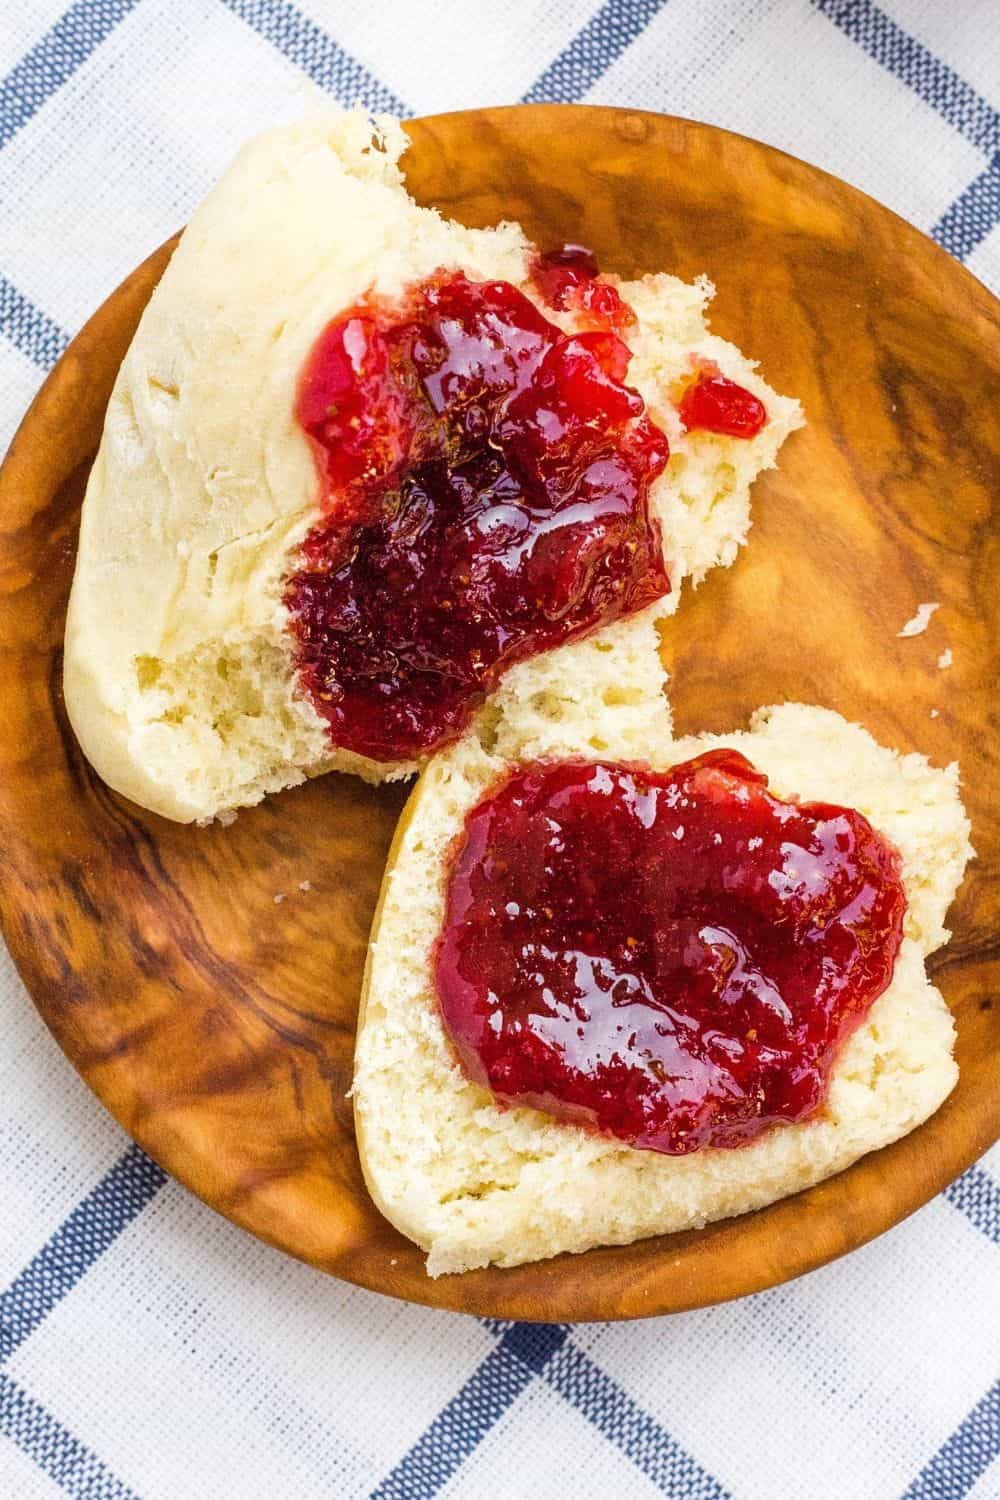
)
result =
(475, 1184)
(178, 674)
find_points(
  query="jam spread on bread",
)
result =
(673, 958)
(566, 278)
(485, 480)
(712, 403)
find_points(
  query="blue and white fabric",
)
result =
(148, 1348)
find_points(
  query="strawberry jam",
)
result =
(566, 279)
(485, 489)
(671, 958)
(716, 404)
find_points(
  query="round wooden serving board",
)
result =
(208, 995)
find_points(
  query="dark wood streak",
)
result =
(962, 955)
(218, 1026)
(189, 938)
(72, 877)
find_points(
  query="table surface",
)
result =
(147, 1347)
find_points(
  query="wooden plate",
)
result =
(207, 993)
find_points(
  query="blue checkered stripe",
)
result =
(521, 1353)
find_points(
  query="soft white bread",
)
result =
(475, 1184)
(179, 676)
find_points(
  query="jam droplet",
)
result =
(671, 958)
(485, 487)
(566, 278)
(715, 404)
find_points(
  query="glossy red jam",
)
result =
(673, 958)
(486, 484)
(566, 279)
(714, 404)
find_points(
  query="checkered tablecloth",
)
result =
(148, 1348)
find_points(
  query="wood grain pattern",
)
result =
(209, 1000)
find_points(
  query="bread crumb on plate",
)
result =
(920, 621)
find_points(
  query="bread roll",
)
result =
(179, 672)
(476, 1184)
